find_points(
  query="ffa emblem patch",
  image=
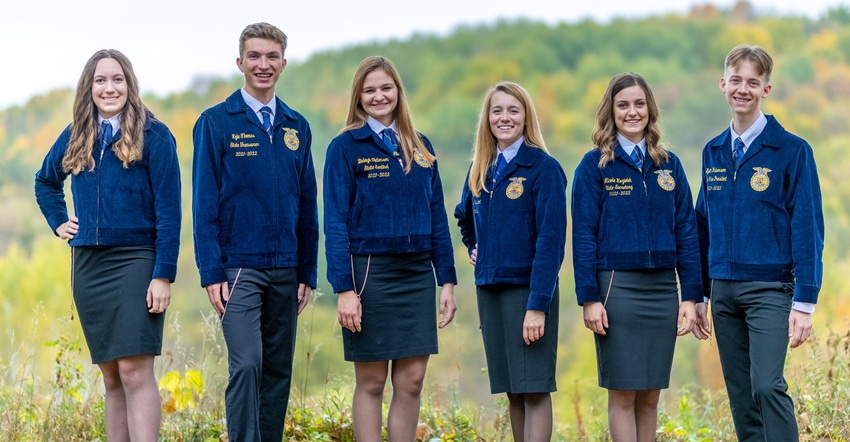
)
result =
(290, 138)
(420, 159)
(665, 180)
(515, 188)
(760, 181)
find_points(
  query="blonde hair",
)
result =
(484, 149)
(409, 140)
(84, 127)
(604, 135)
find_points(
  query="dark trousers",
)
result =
(751, 325)
(259, 327)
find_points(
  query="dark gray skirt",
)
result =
(637, 351)
(512, 366)
(399, 308)
(110, 287)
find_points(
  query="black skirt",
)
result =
(110, 288)
(642, 307)
(399, 308)
(513, 366)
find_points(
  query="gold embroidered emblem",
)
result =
(420, 159)
(665, 180)
(760, 181)
(515, 188)
(290, 138)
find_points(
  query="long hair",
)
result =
(484, 149)
(84, 128)
(409, 141)
(604, 135)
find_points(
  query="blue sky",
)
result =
(45, 44)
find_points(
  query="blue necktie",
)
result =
(267, 120)
(637, 157)
(501, 164)
(738, 152)
(105, 134)
(390, 141)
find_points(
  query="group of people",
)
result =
(753, 246)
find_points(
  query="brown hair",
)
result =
(759, 57)
(84, 126)
(604, 135)
(262, 30)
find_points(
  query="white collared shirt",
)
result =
(628, 146)
(256, 105)
(750, 134)
(510, 152)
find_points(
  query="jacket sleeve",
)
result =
(550, 205)
(701, 212)
(442, 252)
(463, 214)
(50, 183)
(586, 212)
(164, 170)
(687, 240)
(308, 219)
(338, 191)
(206, 182)
(807, 227)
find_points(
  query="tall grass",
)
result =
(69, 405)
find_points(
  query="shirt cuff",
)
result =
(705, 299)
(805, 307)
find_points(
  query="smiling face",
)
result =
(379, 96)
(744, 88)
(109, 88)
(507, 119)
(261, 62)
(631, 113)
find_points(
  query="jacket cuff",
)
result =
(307, 276)
(446, 275)
(539, 302)
(587, 293)
(341, 283)
(166, 271)
(805, 293)
(692, 292)
(212, 276)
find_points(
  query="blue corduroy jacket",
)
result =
(136, 206)
(763, 222)
(253, 199)
(373, 207)
(520, 226)
(627, 220)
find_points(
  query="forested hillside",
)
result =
(565, 67)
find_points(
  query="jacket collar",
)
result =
(770, 137)
(235, 104)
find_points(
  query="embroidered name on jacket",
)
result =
(715, 177)
(237, 143)
(618, 186)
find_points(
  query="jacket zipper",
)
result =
(97, 212)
